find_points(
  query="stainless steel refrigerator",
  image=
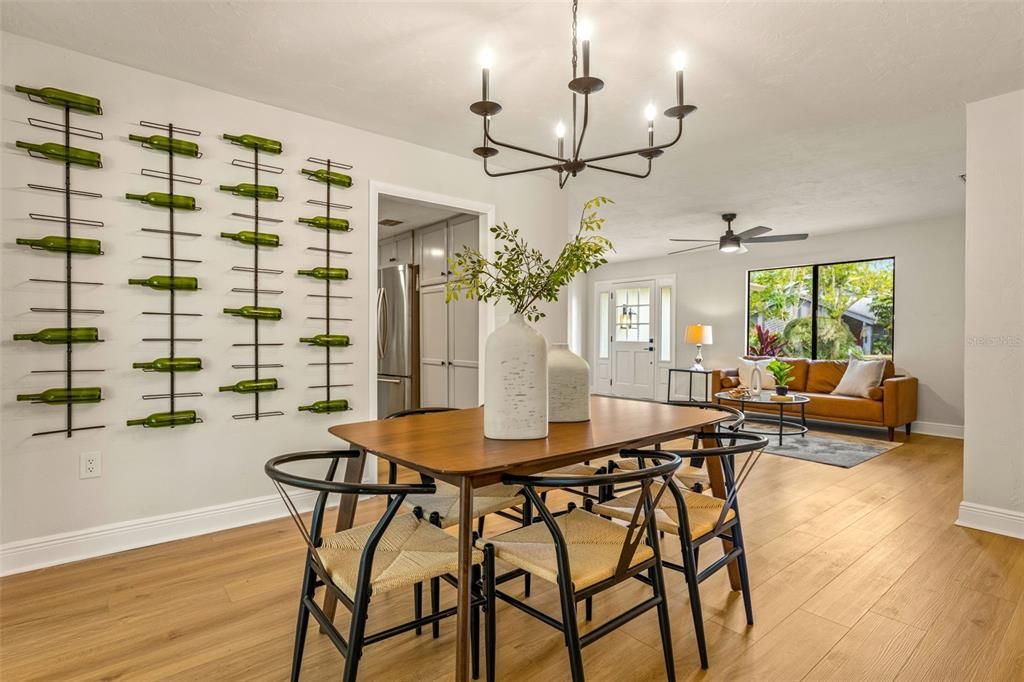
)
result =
(398, 340)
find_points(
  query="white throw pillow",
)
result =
(860, 377)
(746, 372)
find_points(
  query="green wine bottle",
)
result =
(166, 144)
(64, 245)
(62, 335)
(332, 340)
(171, 365)
(264, 144)
(325, 223)
(330, 177)
(162, 419)
(63, 396)
(247, 189)
(252, 386)
(326, 273)
(254, 312)
(63, 98)
(166, 283)
(58, 152)
(258, 238)
(325, 406)
(162, 200)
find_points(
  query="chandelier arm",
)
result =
(679, 135)
(554, 166)
(583, 130)
(622, 172)
(489, 138)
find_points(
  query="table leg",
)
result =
(782, 421)
(465, 587)
(803, 418)
(346, 515)
(716, 477)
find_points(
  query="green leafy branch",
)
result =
(521, 275)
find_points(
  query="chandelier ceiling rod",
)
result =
(585, 85)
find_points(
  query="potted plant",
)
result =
(515, 356)
(781, 371)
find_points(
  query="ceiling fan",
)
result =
(731, 242)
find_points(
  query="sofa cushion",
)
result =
(827, 406)
(733, 382)
(877, 393)
(746, 371)
(861, 376)
(798, 379)
(824, 375)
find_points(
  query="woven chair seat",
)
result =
(687, 475)
(594, 546)
(569, 470)
(445, 501)
(411, 551)
(702, 511)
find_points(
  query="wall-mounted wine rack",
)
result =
(257, 384)
(69, 395)
(173, 140)
(328, 177)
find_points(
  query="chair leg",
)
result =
(355, 634)
(435, 605)
(892, 433)
(490, 621)
(907, 428)
(417, 602)
(308, 588)
(474, 625)
(589, 608)
(480, 526)
(741, 563)
(690, 566)
(527, 520)
(572, 632)
(657, 575)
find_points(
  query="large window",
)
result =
(828, 311)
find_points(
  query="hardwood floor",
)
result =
(858, 574)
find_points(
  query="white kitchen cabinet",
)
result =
(396, 251)
(432, 252)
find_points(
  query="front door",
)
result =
(633, 333)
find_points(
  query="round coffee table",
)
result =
(787, 427)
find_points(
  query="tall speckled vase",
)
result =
(568, 385)
(516, 382)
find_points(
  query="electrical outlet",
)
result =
(90, 465)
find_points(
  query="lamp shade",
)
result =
(699, 334)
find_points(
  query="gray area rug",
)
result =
(837, 452)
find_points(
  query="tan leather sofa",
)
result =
(892, 404)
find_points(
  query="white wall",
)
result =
(711, 289)
(152, 472)
(994, 366)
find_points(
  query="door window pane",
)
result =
(632, 314)
(665, 344)
(602, 326)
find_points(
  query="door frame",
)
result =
(593, 325)
(485, 213)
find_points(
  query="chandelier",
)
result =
(569, 165)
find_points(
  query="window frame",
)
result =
(814, 299)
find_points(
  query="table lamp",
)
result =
(698, 334)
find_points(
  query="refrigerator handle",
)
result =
(380, 323)
(384, 339)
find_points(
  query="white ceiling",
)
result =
(413, 214)
(814, 116)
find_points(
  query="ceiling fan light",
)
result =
(729, 244)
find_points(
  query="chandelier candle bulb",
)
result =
(679, 62)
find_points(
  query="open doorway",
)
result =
(428, 350)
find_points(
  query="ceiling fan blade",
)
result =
(709, 241)
(692, 248)
(754, 232)
(777, 238)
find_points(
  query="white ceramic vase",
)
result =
(568, 385)
(516, 382)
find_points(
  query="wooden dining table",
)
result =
(451, 446)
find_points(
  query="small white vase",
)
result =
(515, 382)
(568, 385)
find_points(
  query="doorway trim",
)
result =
(485, 213)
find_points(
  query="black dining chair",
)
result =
(584, 554)
(396, 551)
(699, 518)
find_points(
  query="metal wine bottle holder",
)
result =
(256, 271)
(69, 369)
(172, 259)
(326, 249)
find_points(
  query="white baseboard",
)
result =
(938, 429)
(61, 548)
(991, 519)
